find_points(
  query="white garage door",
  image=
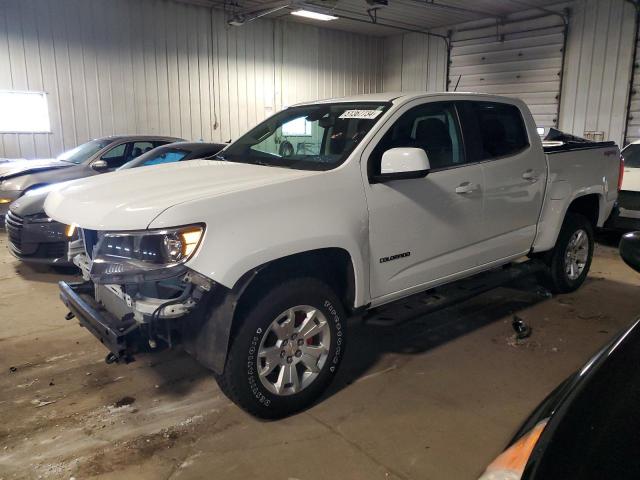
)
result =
(633, 127)
(518, 59)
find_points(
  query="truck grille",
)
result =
(14, 224)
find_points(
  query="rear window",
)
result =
(631, 156)
(501, 128)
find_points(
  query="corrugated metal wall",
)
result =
(521, 58)
(597, 69)
(414, 62)
(156, 66)
(633, 125)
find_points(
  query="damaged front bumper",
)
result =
(138, 315)
(134, 317)
(113, 332)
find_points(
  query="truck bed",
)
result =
(577, 169)
(559, 146)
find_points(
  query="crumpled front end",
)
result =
(135, 313)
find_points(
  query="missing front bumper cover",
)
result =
(117, 335)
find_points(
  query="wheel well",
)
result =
(331, 265)
(588, 206)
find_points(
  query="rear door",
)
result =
(514, 171)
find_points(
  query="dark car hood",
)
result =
(24, 167)
(33, 202)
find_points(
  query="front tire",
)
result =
(287, 349)
(570, 259)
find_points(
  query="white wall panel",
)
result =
(521, 58)
(319, 63)
(157, 66)
(414, 62)
(598, 68)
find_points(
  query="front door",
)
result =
(424, 230)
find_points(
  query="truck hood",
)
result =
(23, 167)
(132, 199)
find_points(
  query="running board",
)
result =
(438, 298)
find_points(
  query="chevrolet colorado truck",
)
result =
(254, 261)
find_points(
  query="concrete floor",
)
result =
(434, 399)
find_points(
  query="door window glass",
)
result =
(138, 148)
(115, 156)
(432, 127)
(501, 129)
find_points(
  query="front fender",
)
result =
(252, 228)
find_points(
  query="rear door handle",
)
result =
(530, 175)
(466, 188)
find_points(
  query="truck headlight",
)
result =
(144, 255)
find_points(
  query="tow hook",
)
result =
(69, 316)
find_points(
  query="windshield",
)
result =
(83, 152)
(631, 156)
(310, 137)
(156, 157)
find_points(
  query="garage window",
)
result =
(24, 112)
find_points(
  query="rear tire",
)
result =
(570, 259)
(287, 349)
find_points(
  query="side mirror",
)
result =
(100, 165)
(630, 250)
(402, 164)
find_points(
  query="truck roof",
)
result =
(402, 97)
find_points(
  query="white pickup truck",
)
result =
(254, 261)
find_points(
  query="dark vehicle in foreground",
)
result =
(96, 156)
(588, 427)
(626, 214)
(36, 238)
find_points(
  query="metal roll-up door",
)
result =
(633, 119)
(520, 59)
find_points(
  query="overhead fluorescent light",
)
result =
(314, 15)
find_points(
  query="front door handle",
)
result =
(530, 175)
(466, 188)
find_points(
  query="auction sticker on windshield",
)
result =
(364, 114)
